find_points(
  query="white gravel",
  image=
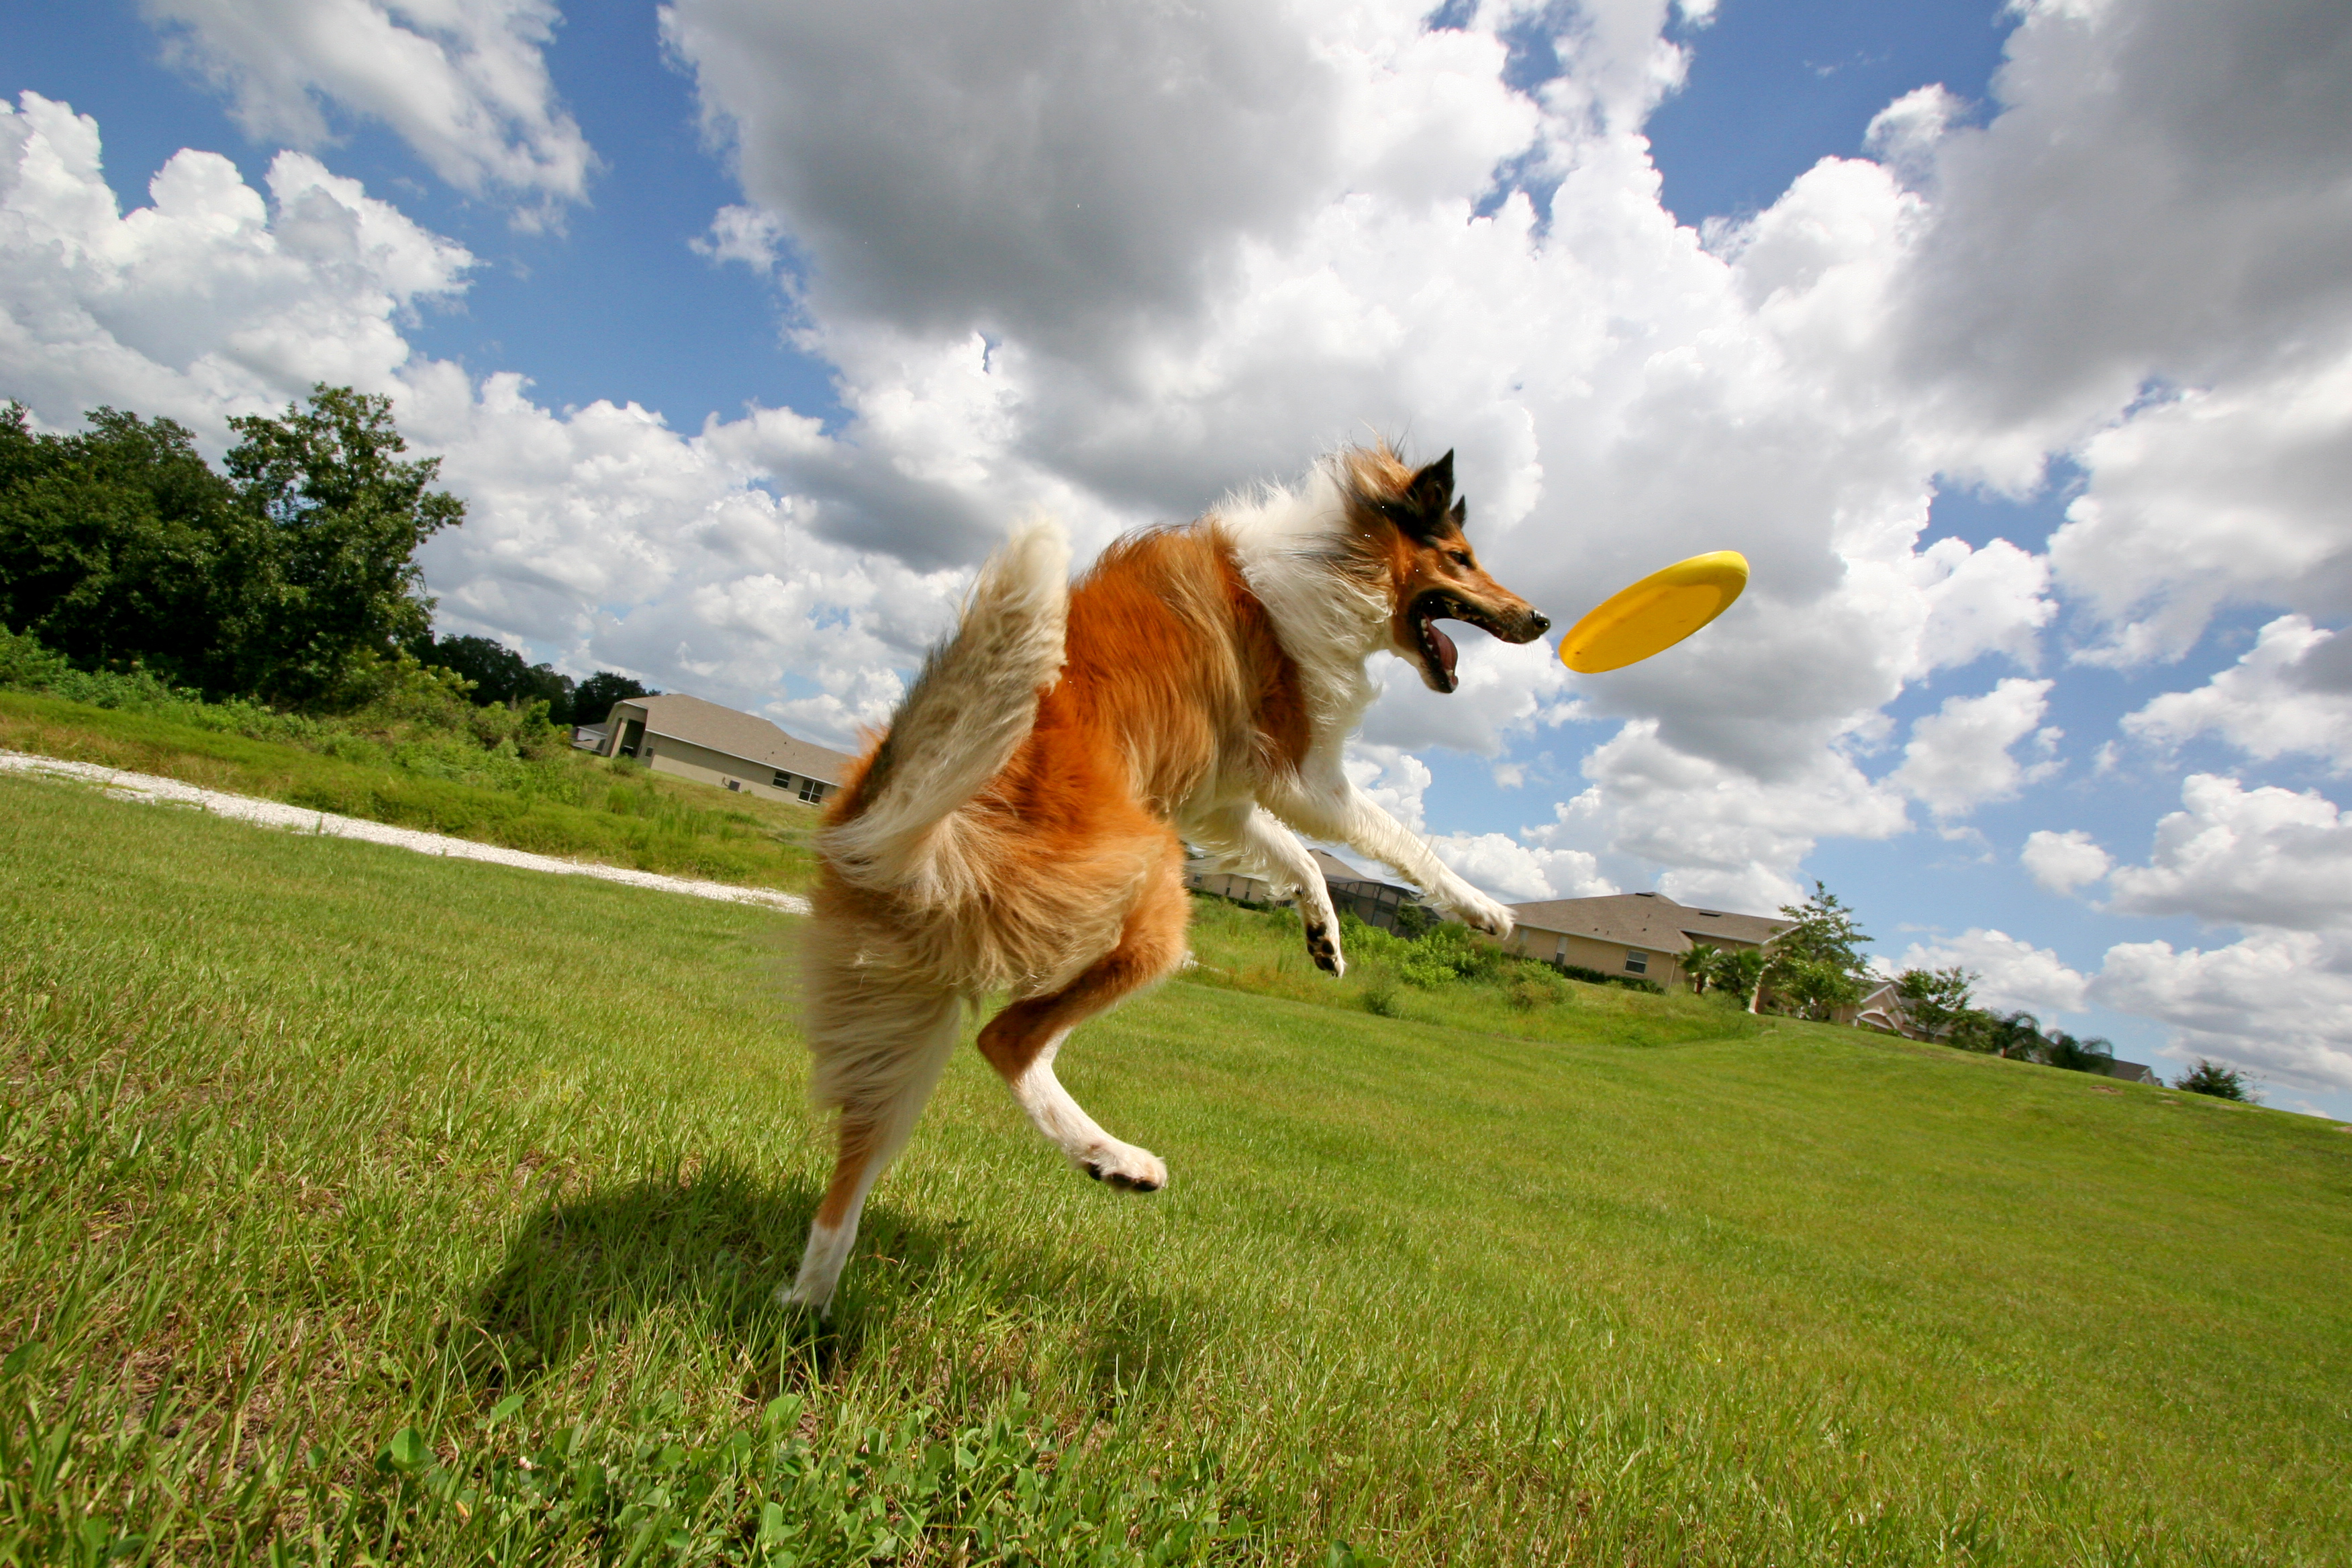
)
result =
(300, 819)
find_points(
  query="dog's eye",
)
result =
(1461, 557)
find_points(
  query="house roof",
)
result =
(1649, 921)
(736, 734)
(1335, 869)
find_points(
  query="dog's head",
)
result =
(1407, 521)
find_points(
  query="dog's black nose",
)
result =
(1543, 624)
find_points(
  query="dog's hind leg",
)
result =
(1021, 1041)
(878, 1059)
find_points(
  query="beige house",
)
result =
(715, 745)
(1640, 935)
(1370, 899)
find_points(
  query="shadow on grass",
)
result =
(707, 1249)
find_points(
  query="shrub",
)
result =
(2218, 1079)
(2061, 1050)
(1600, 977)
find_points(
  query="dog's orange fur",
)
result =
(1175, 678)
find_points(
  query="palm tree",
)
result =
(1700, 964)
(2061, 1050)
(2017, 1035)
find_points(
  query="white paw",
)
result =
(1123, 1166)
(1483, 914)
(802, 1296)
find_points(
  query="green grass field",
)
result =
(364, 1206)
(568, 804)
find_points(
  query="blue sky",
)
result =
(1651, 268)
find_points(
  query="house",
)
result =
(1881, 1008)
(715, 745)
(1370, 901)
(1643, 935)
(2133, 1072)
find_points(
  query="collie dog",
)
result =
(1021, 826)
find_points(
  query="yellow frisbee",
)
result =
(1655, 613)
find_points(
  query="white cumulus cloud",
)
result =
(2012, 973)
(2062, 862)
(2290, 694)
(2279, 1002)
(2235, 856)
(2277, 865)
(462, 82)
(211, 301)
(1960, 756)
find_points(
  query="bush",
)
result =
(1598, 978)
(2218, 1079)
(2061, 1050)
(398, 712)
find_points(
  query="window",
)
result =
(1637, 963)
(783, 781)
(812, 791)
(1561, 956)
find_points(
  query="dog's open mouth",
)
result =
(1436, 649)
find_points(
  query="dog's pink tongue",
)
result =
(1446, 653)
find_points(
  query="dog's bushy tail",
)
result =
(961, 723)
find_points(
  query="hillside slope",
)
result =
(361, 1200)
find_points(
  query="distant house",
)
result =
(716, 745)
(1881, 1008)
(1370, 899)
(2133, 1072)
(1643, 935)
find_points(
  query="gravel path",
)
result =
(299, 819)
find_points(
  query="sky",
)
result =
(2013, 344)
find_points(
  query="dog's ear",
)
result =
(1432, 487)
(1460, 515)
(1420, 512)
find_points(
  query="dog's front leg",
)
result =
(1353, 818)
(1255, 840)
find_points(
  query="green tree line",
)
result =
(1817, 966)
(288, 576)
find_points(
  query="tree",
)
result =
(1700, 964)
(1415, 919)
(1740, 971)
(2218, 1079)
(111, 541)
(592, 700)
(1935, 1000)
(2016, 1035)
(326, 559)
(2061, 1050)
(1816, 965)
(289, 579)
(500, 675)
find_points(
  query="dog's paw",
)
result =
(1481, 913)
(797, 1298)
(1126, 1167)
(1323, 947)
